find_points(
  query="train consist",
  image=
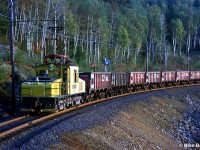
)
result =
(57, 84)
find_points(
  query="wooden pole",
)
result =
(12, 57)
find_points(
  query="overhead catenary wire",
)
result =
(81, 38)
(65, 36)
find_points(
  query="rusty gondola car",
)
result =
(183, 77)
(98, 84)
(168, 78)
(195, 76)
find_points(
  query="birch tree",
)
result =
(180, 34)
(44, 31)
(124, 40)
(177, 34)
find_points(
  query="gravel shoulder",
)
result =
(154, 120)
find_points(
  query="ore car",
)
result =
(195, 76)
(153, 79)
(168, 78)
(137, 80)
(182, 77)
(120, 82)
(97, 83)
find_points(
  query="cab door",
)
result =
(65, 80)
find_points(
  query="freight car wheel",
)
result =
(88, 99)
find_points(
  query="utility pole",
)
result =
(188, 53)
(147, 55)
(12, 56)
(153, 54)
(165, 55)
(55, 32)
(188, 60)
(94, 43)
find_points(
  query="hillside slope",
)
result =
(164, 120)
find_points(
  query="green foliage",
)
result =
(4, 20)
(3, 74)
(154, 20)
(195, 65)
(179, 28)
(119, 25)
(123, 37)
(70, 24)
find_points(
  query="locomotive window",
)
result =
(41, 72)
(57, 73)
(75, 76)
(64, 75)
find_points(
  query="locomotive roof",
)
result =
(42, 79)
(56, 64)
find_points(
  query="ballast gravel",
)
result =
(50, 132)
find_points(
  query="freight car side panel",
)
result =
(120, 78)
(102, 80)
(153, 77)
(96, 80)
(168, 76)
(137, 77)
(183, 76)
(195, 75)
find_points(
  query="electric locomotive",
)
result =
(55, 86)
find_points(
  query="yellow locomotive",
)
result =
(55, 86)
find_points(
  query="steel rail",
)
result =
(37, 121)
(13, 120)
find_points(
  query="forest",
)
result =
(130, 33)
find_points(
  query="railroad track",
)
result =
(8, 128)
(13, 120)
(34, 121)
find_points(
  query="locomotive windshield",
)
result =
(41, 72)
(46, 73)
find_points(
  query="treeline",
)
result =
(124, 31)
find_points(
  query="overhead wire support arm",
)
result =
(34, 20)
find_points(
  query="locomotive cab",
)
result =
(53, 87)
